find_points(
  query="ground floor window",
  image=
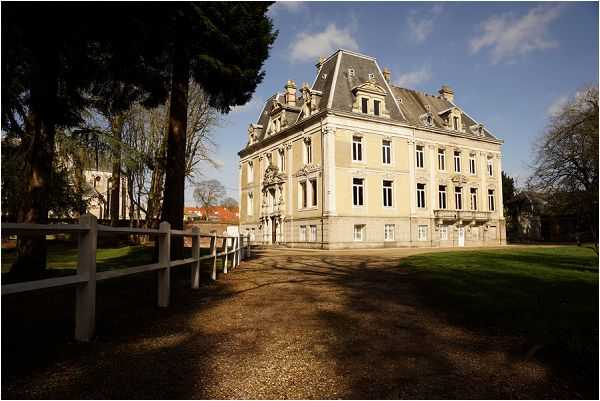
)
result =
(475, 233)
(444, 233)
(303, 233)
(388, 232)
(252, 235)
(359, 232)
(422, 232)
(313, 233)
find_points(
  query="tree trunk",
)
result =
(39, 145)
(172, 210)
(116, 124)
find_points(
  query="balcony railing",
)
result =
(464, 215)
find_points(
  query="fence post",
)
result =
(196, 254)
(85, 298)
(213, 252)
(234, 249)
(225, 250)
(239, 249)
(164, 258)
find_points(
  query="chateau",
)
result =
(354, 161)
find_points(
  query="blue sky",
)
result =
(510, 64)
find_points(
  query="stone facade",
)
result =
(357, 162)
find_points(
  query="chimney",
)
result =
(387, 74)
(320, 63)
(290, 93)
(447, 93)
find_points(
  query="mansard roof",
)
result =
(345, 71)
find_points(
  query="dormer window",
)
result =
(376, 104)
(369, 98)
(455, 123)
(371, 76)
(365, 105)
(350, 72)
(429, 120)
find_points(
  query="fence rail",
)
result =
(232, 251)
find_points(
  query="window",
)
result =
(490, 167)
(351, 72)
(475, 233)
(365, 105)
(444, 233)
(420, 157)
(441, 159)
(303, 233)
(303, 195)
(387, 193)
(491, 203)
(421, 196)
(313, 188)
(422, 232)
(473, 198)
(429, 120)
(388, 232)
(458, 198)
(457, 161)
(281, 159)
(442, 197)
(357, 148)
(307, 151)
(386, 147)
(250, 172)
(472, 169)
(376, 104)
(250, 204)
(455, 119)
(359, 232)
(313, 233)
(357, 191)
(269, 159)
(371, 75)
(253, 235)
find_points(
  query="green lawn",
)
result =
(546, 296)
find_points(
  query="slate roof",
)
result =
(404, 105)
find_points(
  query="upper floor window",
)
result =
(455, 123)
(442, 197)
(358, 191)
(387, 193)
(376, 105)
(473, 198)
(490, 167)
(365, 105)
(269, 159)
(458, 198)
(457, 161)
(472, 169)
(357, 148)
(420, 157)
(303, 195)
(250, 171)
(307, 151)
(421, 196)
(386, 147)
(491, 200)
(281, 154)
(441, 159)
(313, 190)
(250, 204)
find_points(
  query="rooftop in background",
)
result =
(215, 214)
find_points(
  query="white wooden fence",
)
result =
(233, 250)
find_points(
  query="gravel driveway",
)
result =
(286, 324)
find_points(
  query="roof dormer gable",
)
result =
(369, 87)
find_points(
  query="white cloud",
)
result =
(422, 27)
(286, 6)
(412, 78)
(310, 46)
(508, 36)
(254, 105)
(557, 105)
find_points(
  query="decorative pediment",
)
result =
(273, 176)
(459, 179)
(308, 169)
(448, 110)
(369, 87)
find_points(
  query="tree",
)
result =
(511, 204)
(230, 204)
(222, 47)
(566, 163)
(208, 194)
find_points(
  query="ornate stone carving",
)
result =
(459, 179)
(308, 169)
(273, 176)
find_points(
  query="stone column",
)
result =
(499, 200)
(432, 181)
(329, 171)
(289, 201)
(411, 173)
(484, 173)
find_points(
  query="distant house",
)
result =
(216, 214)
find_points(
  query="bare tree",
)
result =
(230, 203)
(208, 194)
(567, 159)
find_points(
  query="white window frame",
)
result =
(389, 232)
(491, 200)
(472, 165)
(422, 232)
(457, 164)
(420, 156)
(358, 232)
(358, 188)
(250, 205)
(441, 159)
(442, 195)
(250, 172)
(314, 199)
(281, 154)
(443, 233)
(490, 167)
(458, 199)
(388, 192)
(313, 233)
(473, 198)
(307, 151)
(302, 233)
(475, 233)
(357, 149)
(421, 196)
(378, 102)
(303, 194)
(386, 149)
(362, 102)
